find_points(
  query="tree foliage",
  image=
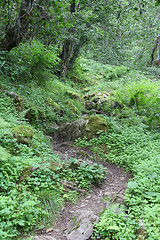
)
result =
(113, 31)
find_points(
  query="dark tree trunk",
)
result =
(76, 50)
(66, 56)
(70, 53)
(153, 50)
(71, 48)
(16, 33)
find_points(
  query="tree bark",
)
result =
(71, 48)
(76, 50)
(16, 33)
(153, 50)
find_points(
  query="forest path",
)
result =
(109, 192)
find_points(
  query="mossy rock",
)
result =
(74, 95)
(23, 134)
(83, 127)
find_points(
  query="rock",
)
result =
(23, 134)
(96, 100)
(74, 95)
(83, 127)
(81, 226)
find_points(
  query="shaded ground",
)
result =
(112, 190)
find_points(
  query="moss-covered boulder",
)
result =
(74, 95)
(23, 134)
(84, 127)
(96, 101)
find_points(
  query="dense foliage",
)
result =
(53, 54)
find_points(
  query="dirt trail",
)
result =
(112, 190)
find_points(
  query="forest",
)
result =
(80, 120)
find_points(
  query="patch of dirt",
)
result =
(111, 190)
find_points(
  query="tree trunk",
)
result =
(66, 56)
(153, 50)
(76, 50)
(16, 33)
(71, 48)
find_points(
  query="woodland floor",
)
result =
(110, 191)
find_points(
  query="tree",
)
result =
(17, 30)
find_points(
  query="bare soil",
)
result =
(110, 191)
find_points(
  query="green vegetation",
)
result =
(34, 181)
(60, 60)
(32, 191)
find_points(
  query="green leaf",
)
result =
(132, 185)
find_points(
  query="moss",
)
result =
(23, 134)
(95, 124)
(74, 95)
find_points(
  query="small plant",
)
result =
(114, 225)
(83, 174)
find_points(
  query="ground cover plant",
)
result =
(34, 181)
(137, 150)
(32, 191)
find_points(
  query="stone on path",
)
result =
(81, 226)
(83, 127)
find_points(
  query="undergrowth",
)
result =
(137, 150)
(34, 182)
(31, 176)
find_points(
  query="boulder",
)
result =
(96, 100)
(81, 226)
(23, 134)
(83, 127)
